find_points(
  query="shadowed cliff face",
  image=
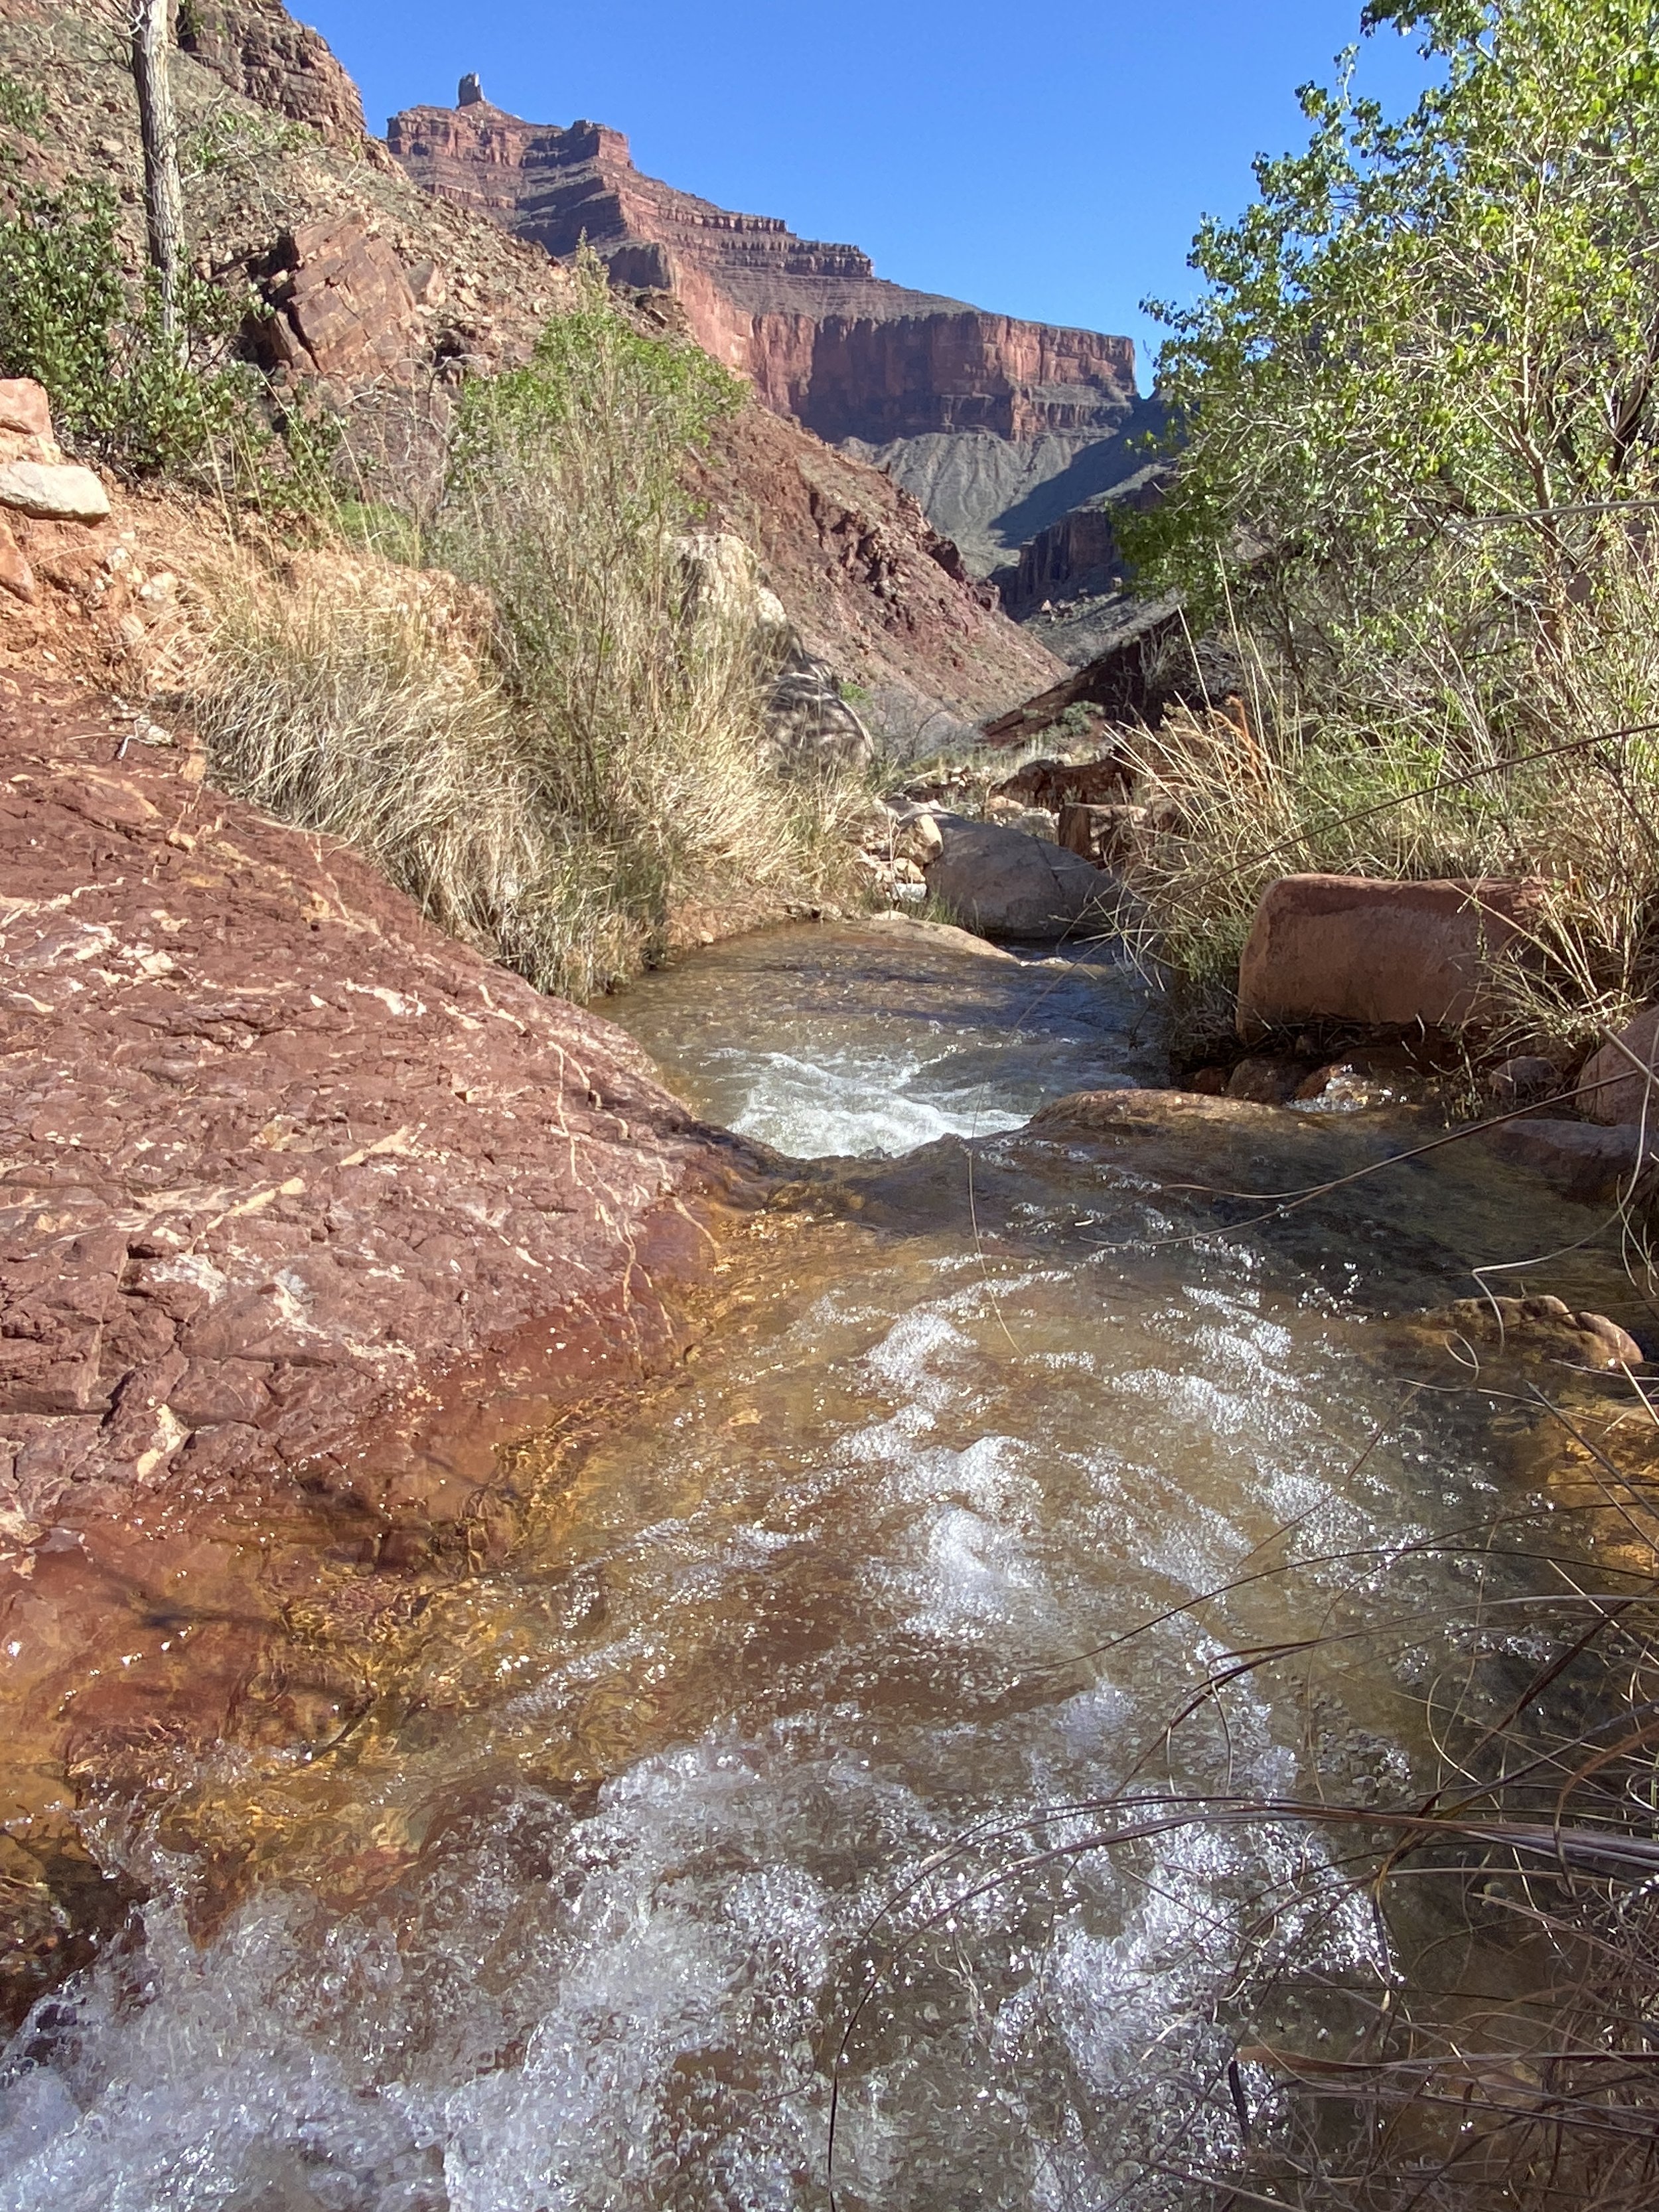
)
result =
(820, 335)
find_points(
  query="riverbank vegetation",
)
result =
(483, 656)
(553, 737)
(1419, 474)
(1416, 411)
(502, 682)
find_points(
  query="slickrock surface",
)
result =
(284, 1170)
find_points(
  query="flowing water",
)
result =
(647, 1842)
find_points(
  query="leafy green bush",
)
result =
(1418, 407)
(117, 391)
(20, 107)
(1424, 361)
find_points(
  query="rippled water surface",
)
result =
(866, 1041)
(587, 1909)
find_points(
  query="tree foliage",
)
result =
(120, 388)
(1416, 400)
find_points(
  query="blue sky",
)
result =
(1052, 163)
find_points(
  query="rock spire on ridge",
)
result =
(472, 92)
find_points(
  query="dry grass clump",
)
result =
(1431, 771)
(559, 746)
(361, 713)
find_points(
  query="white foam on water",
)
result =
(854, 1107)
(674, 2053)
(636, 2015)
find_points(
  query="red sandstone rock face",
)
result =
(285, 1169)
(870, 585)
(1383, 955)
(820, 335)
(259, 50)
(341, 304)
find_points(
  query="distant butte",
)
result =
(975, 412)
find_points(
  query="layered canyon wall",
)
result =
(818, 334)
(865, 363)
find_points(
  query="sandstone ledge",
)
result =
(291, 1185)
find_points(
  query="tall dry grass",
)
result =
(1547, 768)
(360, 713)
(555, 741)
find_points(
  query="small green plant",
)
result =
(118, 390)
(380, 529)
(21, 108)
(232, 140)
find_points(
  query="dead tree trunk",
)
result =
(164, 206)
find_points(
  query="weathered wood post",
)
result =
(164, 207)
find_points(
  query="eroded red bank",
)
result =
(304, 1209)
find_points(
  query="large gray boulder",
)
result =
(1006, 883)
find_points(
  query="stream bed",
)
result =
(741, 1782)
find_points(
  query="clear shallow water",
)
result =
(579, 1915)
(872, 1041)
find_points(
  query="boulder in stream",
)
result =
(1543, 1325)
(1006, 883)
(1578, 1158)
(1378, 954)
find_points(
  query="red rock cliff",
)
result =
(820, 335)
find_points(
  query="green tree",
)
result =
(1415, 401)
(122, 388)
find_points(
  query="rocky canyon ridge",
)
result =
(999, 427)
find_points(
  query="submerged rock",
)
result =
(1578, 1158)
(1266, 1079)
(1546, 1324)
(1373, 1076)
(936, 933)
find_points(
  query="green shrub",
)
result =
(1426, 355)
(1418, 403)
(558, 786)
(117, 391)
(21, 107)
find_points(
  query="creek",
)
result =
(651, 1834)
